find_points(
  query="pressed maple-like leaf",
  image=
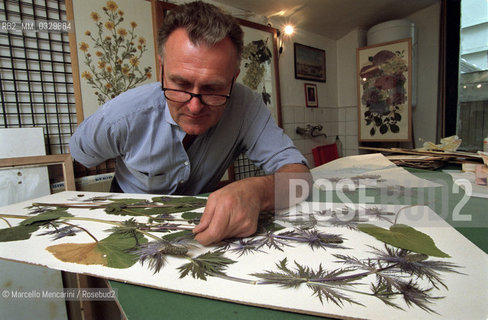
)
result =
(405, 237)
(82, 253)
(112, 251)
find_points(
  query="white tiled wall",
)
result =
(348, 129)
(300, 116)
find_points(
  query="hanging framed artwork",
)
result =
(385, 91)
(259, 65)
(311, 98)
(111, 50)
(309, 63)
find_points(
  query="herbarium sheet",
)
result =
(336, 260)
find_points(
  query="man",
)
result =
(180, 136)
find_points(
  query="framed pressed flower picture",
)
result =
(385, 91)
(111, 50)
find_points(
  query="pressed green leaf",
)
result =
(191, 215)
(115, 248)
(123, 210)
(405, 237)
(211, 263)
(128, 201)
(180, 204)
(17, 233)
(180, 234)
(46, 217)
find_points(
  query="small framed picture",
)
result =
(311, 98)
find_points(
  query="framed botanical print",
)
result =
(385, 91)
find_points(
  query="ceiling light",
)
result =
(289, 30)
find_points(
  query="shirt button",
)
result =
(187, 162)
(182, 181)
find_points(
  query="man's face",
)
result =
(198, 69)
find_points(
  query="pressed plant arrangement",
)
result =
(113, 54)
(399, 265)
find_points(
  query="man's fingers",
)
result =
(215, 230)
(206, 217)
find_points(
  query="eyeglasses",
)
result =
(212, 100)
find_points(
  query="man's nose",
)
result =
(195, 105)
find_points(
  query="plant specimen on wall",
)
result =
(385, 91)
(256, 55)
(401, 262)
(384, 94)
(114, 61)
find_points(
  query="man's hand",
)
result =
(233, 210)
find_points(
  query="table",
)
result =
(146, 303)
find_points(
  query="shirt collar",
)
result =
(167, 114)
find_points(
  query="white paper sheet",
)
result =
(366, 168)
(456, 304)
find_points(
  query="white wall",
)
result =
(293, 107)
(427, 22)
(347, 90)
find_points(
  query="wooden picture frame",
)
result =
(384, 75)
(62, 159)
(311, 97)
(309, 63)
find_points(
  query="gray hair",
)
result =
(204, 23)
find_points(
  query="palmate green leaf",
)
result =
(116, 247)
(113, 251)
(211, 263)
(46, 217)
(180, 204)
(404, 237)
(17, 233)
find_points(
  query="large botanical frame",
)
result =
(111, 50)
(385, 91)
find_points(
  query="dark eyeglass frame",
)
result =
(200, 96)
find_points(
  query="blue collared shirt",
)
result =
(136, 128)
